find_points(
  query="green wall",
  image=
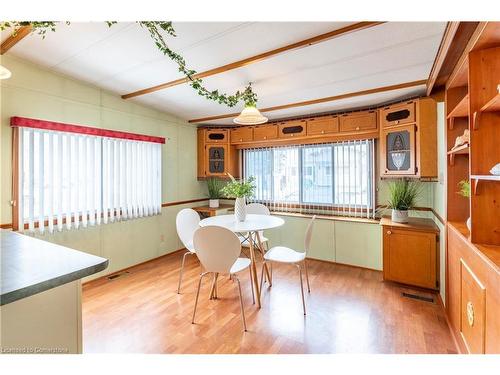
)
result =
(36, 92)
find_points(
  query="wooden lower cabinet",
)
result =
(472, 295)
(411, 252)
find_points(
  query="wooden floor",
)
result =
(350, 310)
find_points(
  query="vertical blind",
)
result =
(70, 180)
(334, 178)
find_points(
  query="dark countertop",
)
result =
(30, 266)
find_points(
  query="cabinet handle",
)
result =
(357, 127)
(322, 132)
(291, 135)
(470, 313)
(241, 139)
(265, 137)
(389, 232)
(397, 121)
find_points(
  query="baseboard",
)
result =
(343, 264)
(100, 278)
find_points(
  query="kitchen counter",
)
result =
(30, 266)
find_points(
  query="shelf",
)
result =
(461, 109)
(462, 150)
(494, 104)
(477, 178)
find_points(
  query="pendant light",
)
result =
(4, 72)
(250, 116)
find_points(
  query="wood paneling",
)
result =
(407, 111)
(217, 136)
(265, 132)
(358, 121)
(260, 57)
(323, 125)
(142, 313)
(291, 129)
(241, 135)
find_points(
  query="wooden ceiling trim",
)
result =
(15, 38)
(262, 56)
(449, 34)
(320, 100)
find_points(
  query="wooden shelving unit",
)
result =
(493, 105)
(477, 178)
(461, 109)
(462, 150)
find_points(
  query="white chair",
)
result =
(186, 222)
(282, 254)
(257, 209)
(218, 250)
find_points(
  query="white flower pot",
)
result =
(240, 209)
(213, 203)
(399, 216)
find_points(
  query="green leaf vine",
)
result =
(156, 30)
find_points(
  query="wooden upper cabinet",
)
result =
(398, 114)
(323, 125)
(358, 121)
(291, 129)
(216, 136)
(242, 135)
(265, 132)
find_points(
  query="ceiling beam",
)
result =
(321, 100)
(15, 38)
(449, 34)
(262, 56)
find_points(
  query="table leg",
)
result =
(254, 270)
(261, 247)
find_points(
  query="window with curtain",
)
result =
(72, 176)
(335, 178)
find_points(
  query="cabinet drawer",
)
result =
(323, 125)
(358, 121)
(410, 257)
(290, 129)
(398, 114)
(216, 136)
(265, 132)
(472, 309)
(240, 135)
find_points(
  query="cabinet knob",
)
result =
(291, 135)
(397, 121)
(265, 137)
(389, 232)
(241, 139)
(357, 127)
(322, 132)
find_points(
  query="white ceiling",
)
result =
(123, 59)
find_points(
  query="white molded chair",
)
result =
(257, 209)
(187, 222)
(282, 254)
(218, 249)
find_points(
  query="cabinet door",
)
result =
(290, 129)
(397, 147)
(216, 136)
(398, 114)
(472, 310)
(323, 125)
(241, 135)
(216, 160)
(265, 132)
(358, 122)
(410, 257)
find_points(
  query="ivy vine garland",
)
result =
(155, 29)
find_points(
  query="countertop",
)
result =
(414, 223)
(30, 266)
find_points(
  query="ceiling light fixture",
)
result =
(4, 72)
(250, 116)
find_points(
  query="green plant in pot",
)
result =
(214, 186)
(403, 196)
(240, 190)
(464, 191)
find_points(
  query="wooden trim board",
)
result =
(15, 38)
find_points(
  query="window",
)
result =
(73, 176)
(335, 177)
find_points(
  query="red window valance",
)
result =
(59, 126)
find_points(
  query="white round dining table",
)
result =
(252, 225)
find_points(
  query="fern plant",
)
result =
(403, 194)
(215, 186)
(239, 189)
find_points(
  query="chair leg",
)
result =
(241, 304)
(251, 284)
(307, 276)
(182, 271)
(302, 288)
(262, 275)
(197, 295)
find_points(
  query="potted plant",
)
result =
(214, 186)
(403, 196)
(239, 190)
(464, 191)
